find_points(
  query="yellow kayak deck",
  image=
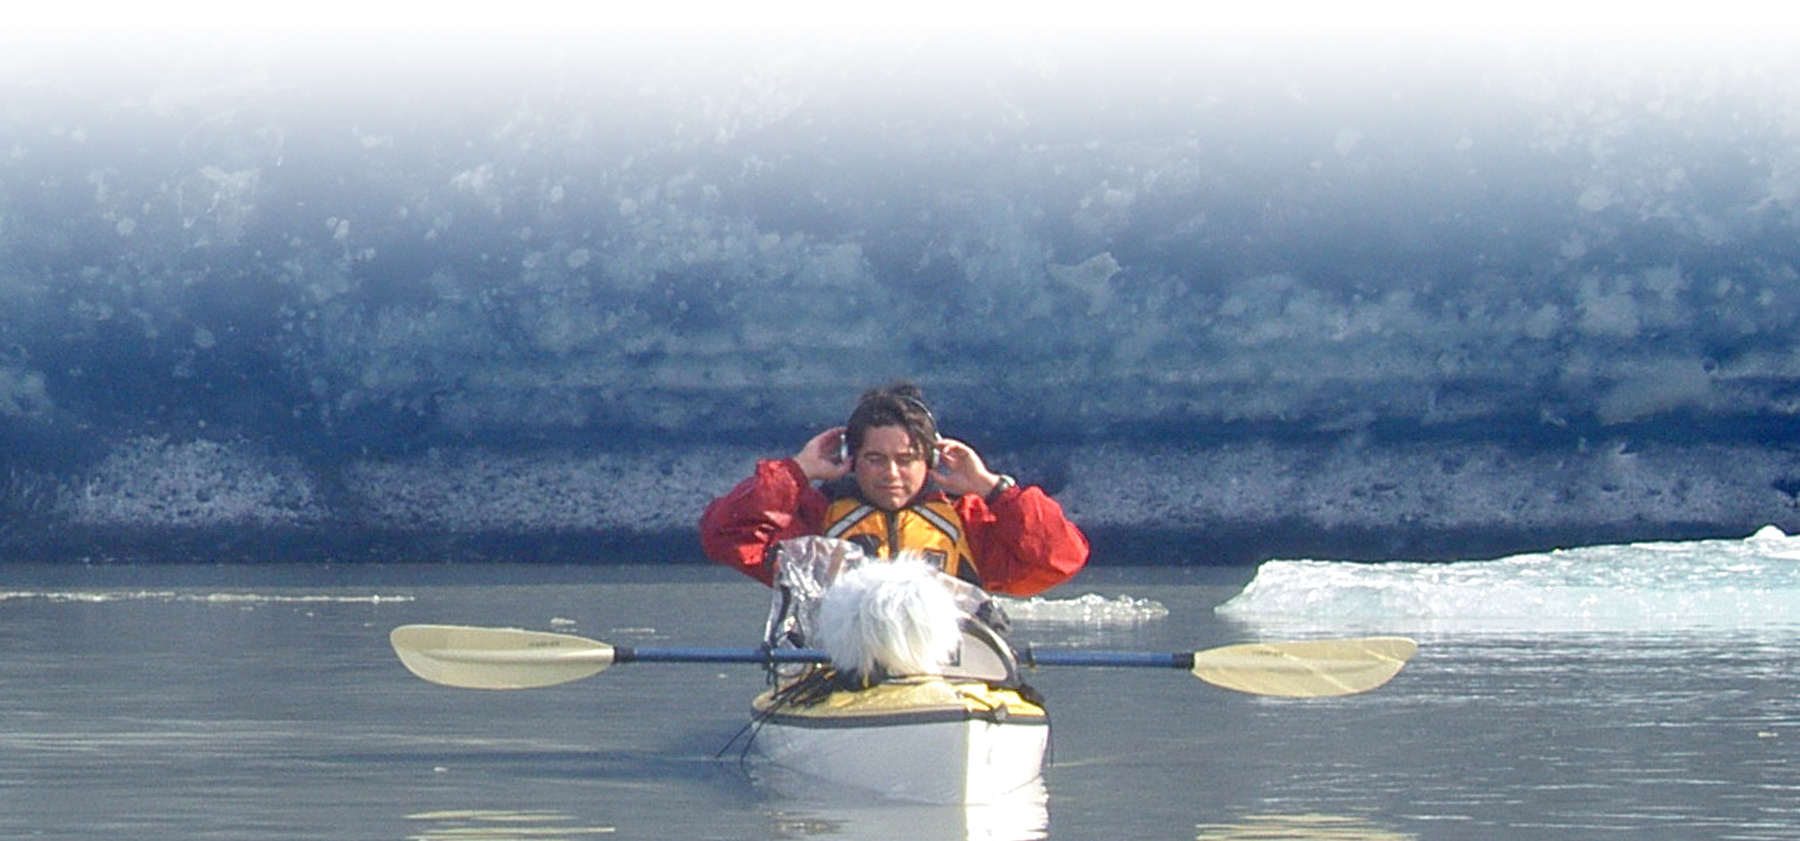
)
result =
(903, 701)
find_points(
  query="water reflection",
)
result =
(498, 825)
(801, 807)
(1298, 828)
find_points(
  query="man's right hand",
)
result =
(819, 458)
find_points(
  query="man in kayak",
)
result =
(973, 523)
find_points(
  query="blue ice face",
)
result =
(316, 256)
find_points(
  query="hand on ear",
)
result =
(824, 459)
(960, 469)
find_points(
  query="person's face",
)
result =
(890, 470)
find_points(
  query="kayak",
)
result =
(920, 701)
(928, 739)
(971, 732)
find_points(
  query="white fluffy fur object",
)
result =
(894, 614)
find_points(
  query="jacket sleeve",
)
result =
(774, 504)
(1023, 543)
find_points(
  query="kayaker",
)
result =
(912, 490)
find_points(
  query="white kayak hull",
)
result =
(929, 741)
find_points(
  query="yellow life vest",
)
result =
(931, 528)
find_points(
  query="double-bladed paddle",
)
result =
(510, 658)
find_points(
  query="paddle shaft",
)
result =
(1145, 659)
(629, 654)
(1027, 657)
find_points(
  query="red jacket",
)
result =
(1023, 544)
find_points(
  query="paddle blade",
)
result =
(497, 658)
(1305, 668)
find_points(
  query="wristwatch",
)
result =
(1000, 486)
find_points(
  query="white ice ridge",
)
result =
(1752, 582)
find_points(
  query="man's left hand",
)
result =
(960, 470)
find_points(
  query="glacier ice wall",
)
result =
(1204, 285)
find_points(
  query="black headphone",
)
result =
(931, 450)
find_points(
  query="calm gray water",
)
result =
(263, 703)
